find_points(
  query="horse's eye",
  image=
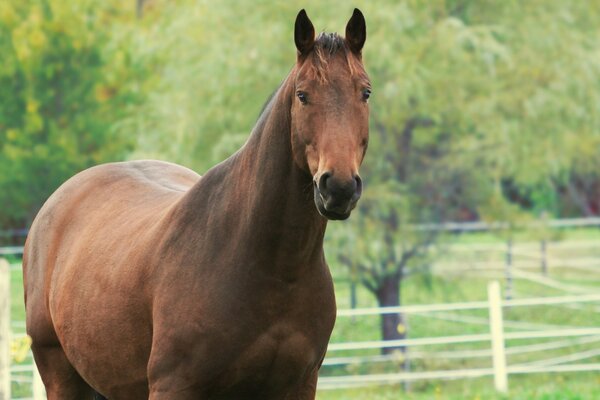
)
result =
(302, 97)
(366, 94)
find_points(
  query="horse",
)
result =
(144, 280)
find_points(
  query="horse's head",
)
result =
(330, 113)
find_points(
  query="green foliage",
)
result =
(62, 87)
(476, 105)
(480, 110)
(493, 91)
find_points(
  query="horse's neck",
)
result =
(262, 199)
(283, 194)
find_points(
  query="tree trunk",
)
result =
(393, 326)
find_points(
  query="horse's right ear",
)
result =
(356, 31)
(304, 33)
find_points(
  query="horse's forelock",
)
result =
(326, 46)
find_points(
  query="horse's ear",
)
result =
(356, 31)
(304, 33)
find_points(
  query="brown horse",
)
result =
(143, 280)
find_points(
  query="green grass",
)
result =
(17, 312)
(580, 386)
(17, 306)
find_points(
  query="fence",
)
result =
(6, 340)
(497, 337)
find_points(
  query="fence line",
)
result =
(479, 226)
(478, 337)
(553, 283)
(473, 305)
(463, 354)
(526, 244)
(497, 337)
(336, 382)
(11, 250)
(586, 264)
(564, 359)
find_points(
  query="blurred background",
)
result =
(483, 164)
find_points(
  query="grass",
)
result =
(581, 386)
(17, 307)
(436, 288)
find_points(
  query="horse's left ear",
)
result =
(356, 31)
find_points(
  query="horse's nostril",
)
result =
(323, 183)
(358, 181)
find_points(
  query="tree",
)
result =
(62, 86)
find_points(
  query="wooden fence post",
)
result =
(4, 329)
(497, 332)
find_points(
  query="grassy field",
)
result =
(436, 288)
(532, 387)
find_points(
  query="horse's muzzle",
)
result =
(335, 199)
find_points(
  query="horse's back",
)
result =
(114, 195)
(84, 260)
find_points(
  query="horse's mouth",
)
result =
(333, 215)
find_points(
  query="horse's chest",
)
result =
(283, 346)
(261, 343)
(278, 359)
